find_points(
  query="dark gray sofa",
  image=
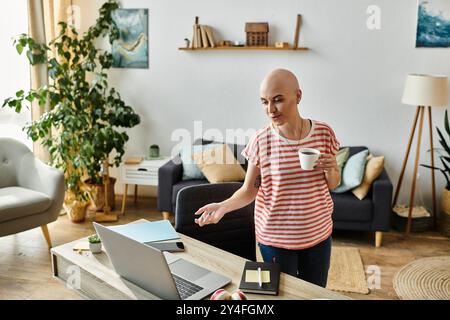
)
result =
(170, 178)
(373, 213)
(235, 233)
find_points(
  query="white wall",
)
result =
(14, 69)
(352, 77)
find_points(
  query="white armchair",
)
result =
(31, 193)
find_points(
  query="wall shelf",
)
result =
(253, 30)
(245, 48)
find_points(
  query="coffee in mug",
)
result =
(308, 158)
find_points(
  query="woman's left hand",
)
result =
(327, 162)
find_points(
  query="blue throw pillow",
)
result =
(190, 169)
(353, 172)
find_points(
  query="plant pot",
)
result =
(95, 247)
(97, 196)
(76, 210)
(444, 221)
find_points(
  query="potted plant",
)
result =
(87, 115)
(95, 244)
(444, 157)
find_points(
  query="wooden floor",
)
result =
(25, 268)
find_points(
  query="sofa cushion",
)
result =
(184, 183)
(219, 165)
(341, 159)
(190, 168)
(353, 172)
(237, 150)
(18, 202)
(347, 207)
(374, 167)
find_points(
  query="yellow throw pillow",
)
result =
(219, 165)
(374, 167)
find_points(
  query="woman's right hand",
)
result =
(210, 214)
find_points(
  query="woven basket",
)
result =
(444, 220)
(418, 223)
(76, 210)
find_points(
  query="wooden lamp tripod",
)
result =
(421, 90)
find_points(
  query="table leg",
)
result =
(166, 215)
(124, 197)
(135, 192)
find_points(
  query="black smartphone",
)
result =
(168, 246)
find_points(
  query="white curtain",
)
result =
(43, 17)
(15, 73)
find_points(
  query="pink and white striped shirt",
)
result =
(293, 207)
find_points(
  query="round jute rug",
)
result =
(424, 279)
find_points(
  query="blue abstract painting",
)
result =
(131, 49)
(433, 25)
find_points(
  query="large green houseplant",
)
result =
(444, 157)
(85, 115)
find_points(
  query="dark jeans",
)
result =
(310, 264)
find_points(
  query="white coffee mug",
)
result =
(308, 158)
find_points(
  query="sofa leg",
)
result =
(166, 215)
(378, 238)
(46, 235)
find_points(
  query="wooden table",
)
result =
(94, 278)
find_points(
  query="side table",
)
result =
(144, 173)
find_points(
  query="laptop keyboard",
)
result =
(185, 288)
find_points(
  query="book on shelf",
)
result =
(204, 36)
(209, 34)
(199, 36)
(260, 277)
(194, 37)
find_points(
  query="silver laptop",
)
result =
(162, 274)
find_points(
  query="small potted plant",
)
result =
(95, 244)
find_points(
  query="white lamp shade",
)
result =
(426, 90)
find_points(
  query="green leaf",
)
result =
(6, 102)
(447, 169)
(430, 167)
(18, 106)
(19, 48)
(443, 142)
(446, 124)
(445, 158)
(30, 57)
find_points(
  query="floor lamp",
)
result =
(423, 91)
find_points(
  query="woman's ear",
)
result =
(299, 96)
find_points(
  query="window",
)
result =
(14, 69)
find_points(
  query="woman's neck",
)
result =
(295, 129)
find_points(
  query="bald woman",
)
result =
(293, 206)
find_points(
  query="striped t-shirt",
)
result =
(293, 207)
